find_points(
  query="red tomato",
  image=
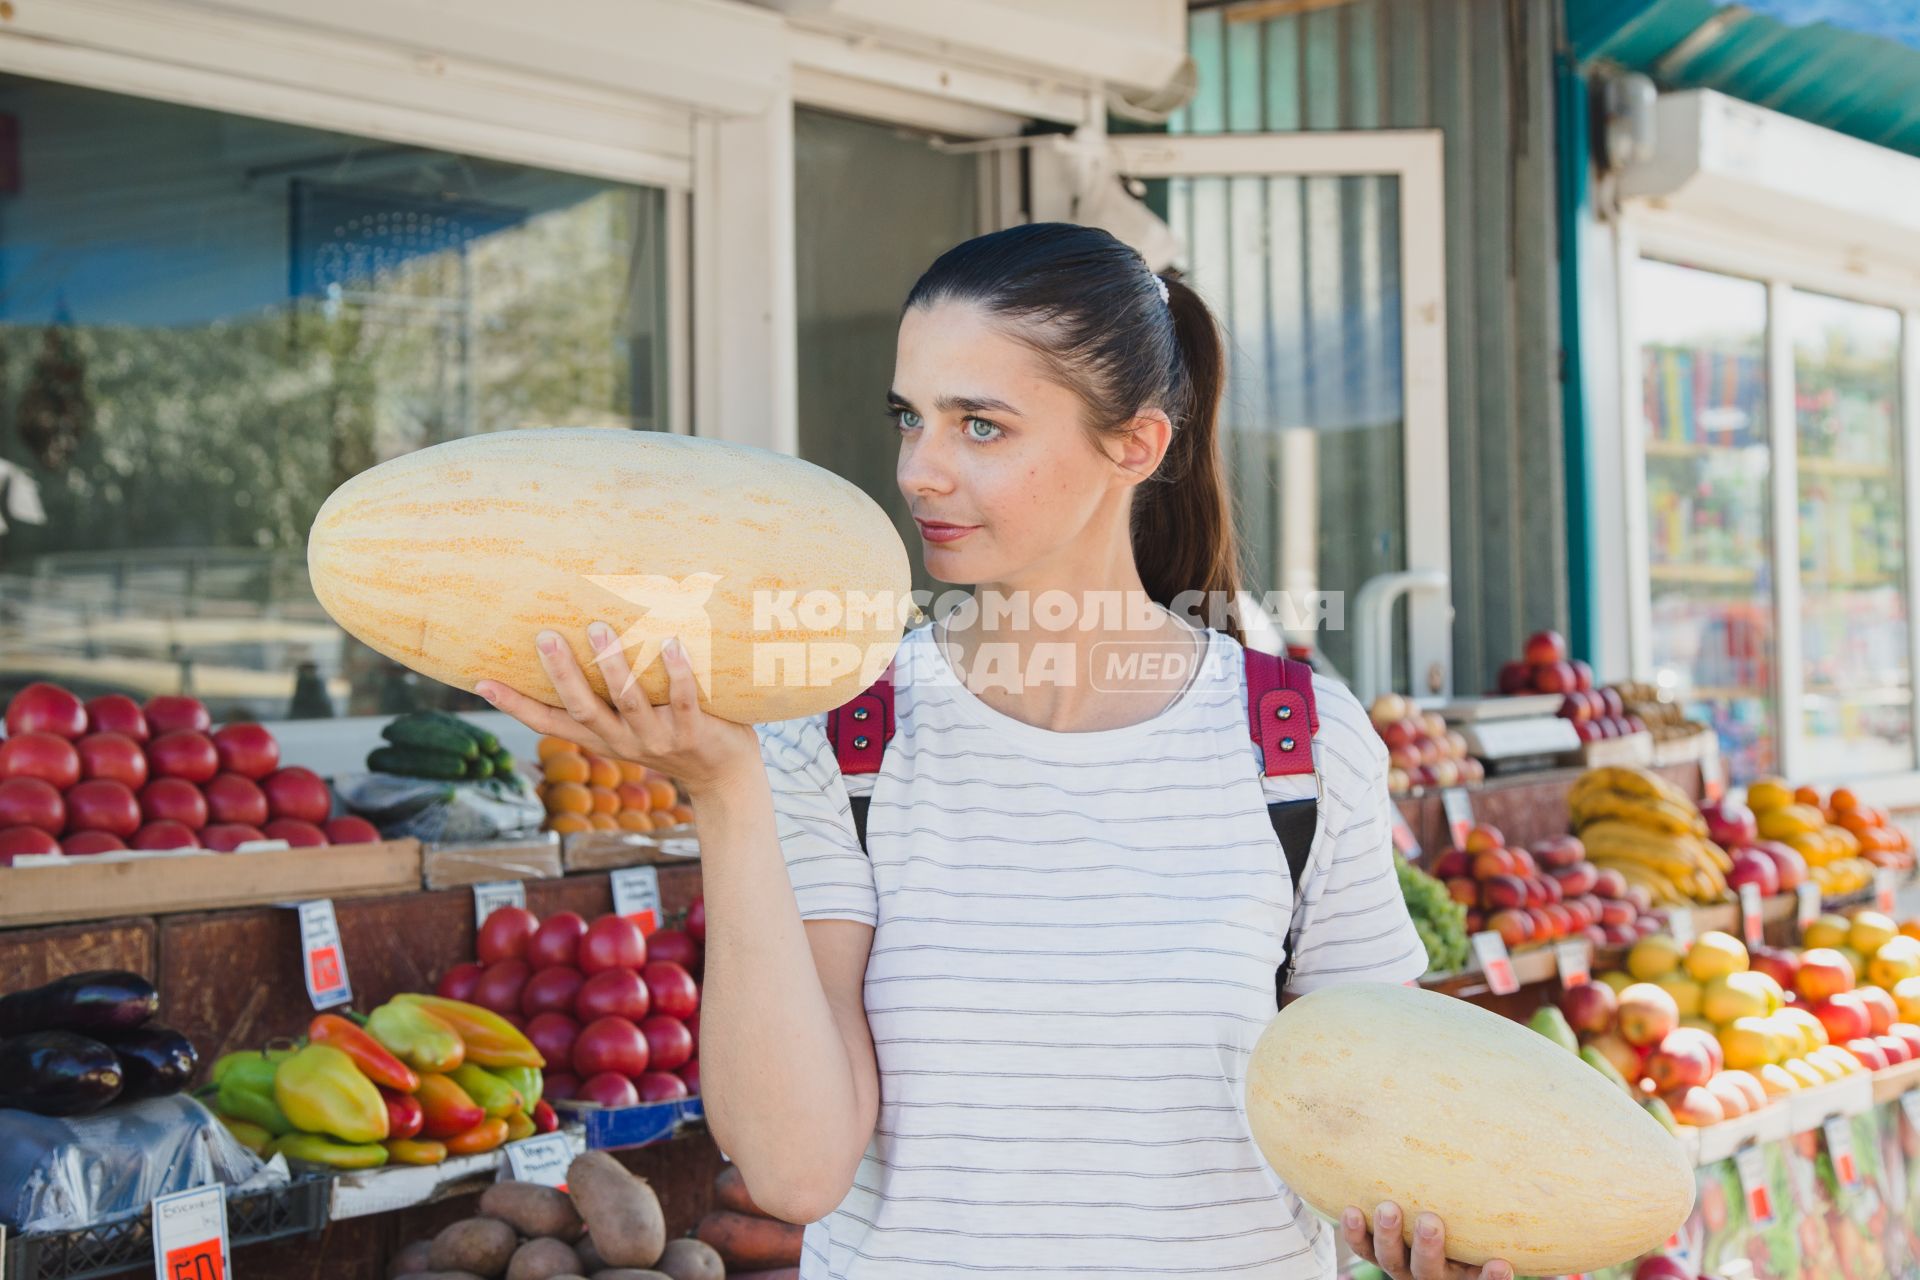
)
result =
(168, 713)
(115, 756)
(81, 843)
(612, 942)
(299, 793)
(45, 756)
(247, 749)
(672, 987)
(46, 708)
(174, 800)
(117, 713)
(232, 798)
(505, 934)
(15, 841)
(225, 837)
(100, 805)
(183, 754)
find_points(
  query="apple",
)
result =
(225, 837)
(16, 841)
(661, 1086)
(1824, 973)
(504, 935)
(298, 834)
(675, 946)
(113, 756)
(1882, 1012)
(1619, 935)
(1556, 853)
(247, 749)
(1589, 1007)
(608, 1089)
(1896, 1049)
(1700, 1038)
(174, 800)
(1481, 838)
(1536, 891)
(1503, 892)
(164, 833)
(1515, 677)
(556, 941)
(1646, 1015)
(46, 708)
(1581, 877)
(1449, 865)
(1464, 891)
(1625, 1058)
(1544, 647)
(1910, 1033)
(1515, 927)
(1400, 734)
(1678, 1064)
(553, 1035)
(613, 993)
(82, 842)
(1555, 677)
(1869, 1052)
(46, 756)
(1780, 965)
(669, 1043)
(1787, 861)
(170, 713)
(1844, 1017)
(348, 829)
(1696, 1106)
(501, 985)
(1730, 824)
(1609, 882)
(673, 989)
(1523, 863)
(1494, 862)
(183, 754)
(458, 982)
(611, 942)
(294, 792)
(117, 713)
(1751, 867)
(1542, 924)
(551, 991)
(1562, 917)
(1588, 731)
(1574, 707)
(1660, 1267)
(610, 1044)
(100, 805)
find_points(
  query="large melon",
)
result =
(452, 559)
(1365, 1093)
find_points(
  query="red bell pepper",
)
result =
(545, 1119)
(484, 1136)
(368, 1054)
(446, 1109)
(404, 1114)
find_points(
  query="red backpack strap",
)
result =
(1281, 716)
(861, 729)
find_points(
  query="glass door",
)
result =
(1322, 255)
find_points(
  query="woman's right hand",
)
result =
(680, 739)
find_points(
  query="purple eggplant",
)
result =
(102, 1001)
(154, 1061)
(57, 1073)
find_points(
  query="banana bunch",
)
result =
(1647, 829)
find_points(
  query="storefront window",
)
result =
(208, 322)
(1857, 698)
(874, 206)
(1709, 538)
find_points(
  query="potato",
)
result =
(446, 1275)
(590, 1259)
(630, 1273)
(620, 1210)
(690, 1259)
(533, 1210)
(412, 1260)
(747, 1243)
(482, 1246)
(543, 1260)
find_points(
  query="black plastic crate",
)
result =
(299, 1208)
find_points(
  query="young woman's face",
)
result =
(995, 450)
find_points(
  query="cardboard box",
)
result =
(147, 884)
(611, 850)
(451, 865)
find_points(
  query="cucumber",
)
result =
(480, 768)
(430, 733)
(487, 743)
(416, 762)
(502, 763)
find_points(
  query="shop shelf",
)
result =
(1728, 575)
(1846, 468)
(355, 1195)
(299, 1208)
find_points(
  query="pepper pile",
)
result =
(420, 1079)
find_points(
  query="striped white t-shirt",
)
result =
(1075, 942)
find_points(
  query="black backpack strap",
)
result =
(1294, 821)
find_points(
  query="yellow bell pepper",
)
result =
(321, 1091)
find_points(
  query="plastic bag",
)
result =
(440, 812)
(66, 1173)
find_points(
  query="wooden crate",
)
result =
(448, 866)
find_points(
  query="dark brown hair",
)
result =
(1091, 307)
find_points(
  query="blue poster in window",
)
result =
(367, 240)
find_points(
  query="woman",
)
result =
(1014, 1037)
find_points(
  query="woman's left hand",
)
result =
(1385, 1247)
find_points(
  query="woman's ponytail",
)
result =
(1183, 538)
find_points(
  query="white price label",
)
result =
(1886, 890)
(1752, 1167)
(1753, 919)
(1574, 958)
(322, 955)
(1806, 903)
(636, 894)
(1490, 949)
(1680, 925)
(190, 1235)
(491, 895)
(1459, 810)
(543, 1160)
(1840, 1150)
(1403, 838)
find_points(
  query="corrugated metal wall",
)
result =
(1482, 72)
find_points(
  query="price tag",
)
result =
(1806, 904)
(1491, 951)
(1886, 890)
(1753, 920)
(1680, 925)
(1713, 782)
(190, 1235)
(322, 955)
(491, 895)
(1751, 1165)
(1403, 838)
(543, 1160)
(636, 895)
(1840, 1150)
(1574, 958)
(1459, 810)
(1910, 1103)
